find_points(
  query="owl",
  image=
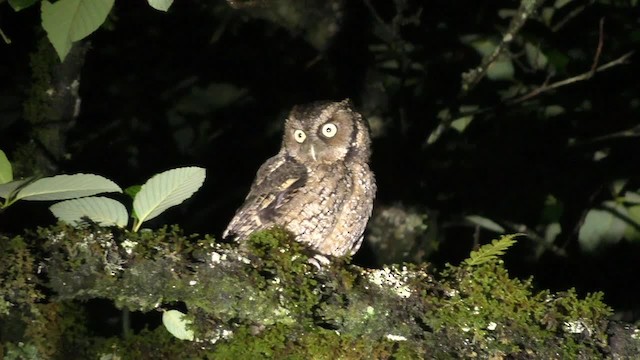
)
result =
(319, 186)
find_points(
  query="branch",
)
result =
(545, 87)
(472, 77)
(265, 294)
(582, 77)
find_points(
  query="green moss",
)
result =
(284, 270)
(37, 110)
(283, 342)
(148, 344)
(17, 275)
(268, 301)
(42, 61)
(482, 304)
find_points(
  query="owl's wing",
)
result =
(276, 181)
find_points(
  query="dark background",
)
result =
(209, 85)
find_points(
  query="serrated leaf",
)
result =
(67, 21)
(101, 210)
(162, 5)
(18, 5)
(175, 323)
(7, 189)
(602, 226)
(485, 223)
(62, 187)
(167, 189)
(6, 172)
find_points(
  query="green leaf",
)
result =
(483, 222)
(632, 233)
(162, 5)
(67, 21)
(62, 187)
(617, 186)
(132, 191)
(461, 123)
(552, 211)
(558, 59)
(552, 231)
(631, 197)
(167, 189)
(501, 69)
(6, 172)
(18, 5)
(553, 110)
(7, 189)
(101, 210)
(175, 323)
(536, 58)
(602, 226)
(490, 252)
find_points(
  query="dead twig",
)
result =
(545, 87)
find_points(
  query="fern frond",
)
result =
(492, 251)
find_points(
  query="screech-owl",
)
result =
(319, 186)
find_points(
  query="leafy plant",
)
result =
(59, 187)
(160, 192)
(174, 321)
(68, 21)
(491, 251)
(612, 220)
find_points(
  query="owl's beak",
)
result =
(313, 153)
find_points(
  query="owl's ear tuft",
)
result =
(347, 103)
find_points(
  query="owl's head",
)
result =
(326, 132)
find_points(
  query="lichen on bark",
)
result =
(266, 299)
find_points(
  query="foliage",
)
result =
(612, 220)
(490, 252)
(66, 21)
(162, 191)
(177, 325)
(58, 187)
(278, 305)
(17, 275)
(524, 112)
(69, 21)
(481, 303)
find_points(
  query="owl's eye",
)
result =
(299, 135)
(329, 130)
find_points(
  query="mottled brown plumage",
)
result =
(319, 186)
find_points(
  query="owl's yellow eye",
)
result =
(299, 135)
(329, 130)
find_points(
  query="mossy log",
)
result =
(268, 300)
